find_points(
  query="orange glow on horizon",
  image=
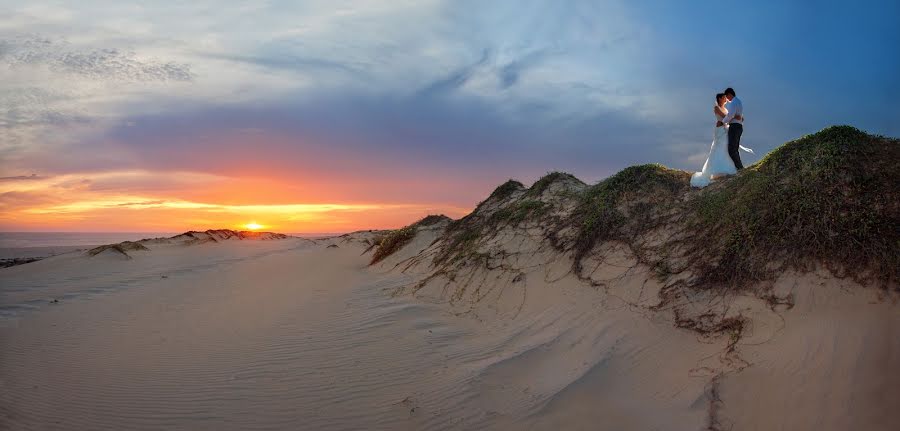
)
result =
(143, 201)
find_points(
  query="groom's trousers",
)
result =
(734, 142)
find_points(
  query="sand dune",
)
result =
(293, 334)
(560, 306)
(318, 341)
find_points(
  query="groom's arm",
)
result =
(729, 117)
(732, 112)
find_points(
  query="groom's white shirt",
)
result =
(734, 107)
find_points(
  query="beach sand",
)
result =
(301, 334)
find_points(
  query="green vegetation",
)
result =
(432, 219)
(517, 212)
(541, 185)
(464, 236)
(608, 209)
(394, 240)
(505, 190)
(829, 197)
(461, 243)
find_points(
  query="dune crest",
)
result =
(187, 238)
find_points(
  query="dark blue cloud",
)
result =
(456, 79)
(416, 138)
(509, 73)
(293, 62)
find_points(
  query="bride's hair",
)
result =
(719, 97)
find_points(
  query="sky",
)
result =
(333, 116)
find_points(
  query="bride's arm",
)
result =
(720, 113)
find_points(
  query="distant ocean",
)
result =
(58, 239)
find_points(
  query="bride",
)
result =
(718, 163)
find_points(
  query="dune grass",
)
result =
(827, 198)
(544, 183)
(517, 212)
(394, 240)
(617, 208)
(505, 190)
(830, 197)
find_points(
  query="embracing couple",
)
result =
(724, 158)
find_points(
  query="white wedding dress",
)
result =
(718, 162)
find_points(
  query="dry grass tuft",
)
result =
(394, 240)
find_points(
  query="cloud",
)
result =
(140, 204)
(60, 56)
(457, 78)
(510, 73)
(31, 177)
(59, 92)
(292, 62)
(14, 200)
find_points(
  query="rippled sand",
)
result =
(295, 335)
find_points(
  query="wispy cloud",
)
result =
(59, 56)
(457, 78)
(31, 177)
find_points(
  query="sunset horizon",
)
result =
(80, 209)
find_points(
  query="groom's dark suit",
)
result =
(735, 130)
(734, 143)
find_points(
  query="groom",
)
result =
(735, 119)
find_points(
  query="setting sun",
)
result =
(253, 226)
